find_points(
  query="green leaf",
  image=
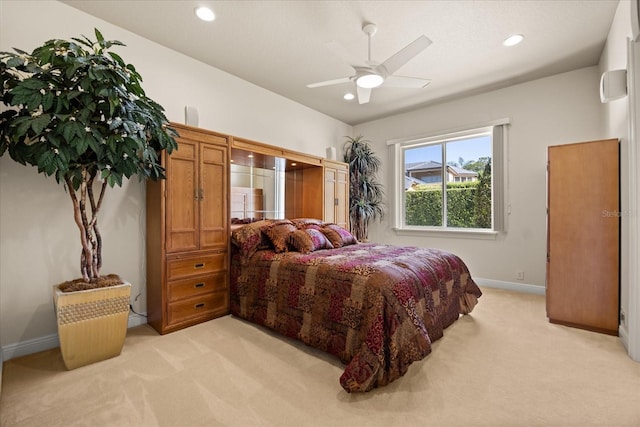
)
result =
(34, 84)
(84, 41)
(99, 36)
(117, 58)
(15, 62)
(72, 94)
(45, 161)
(40, 123)
(22, 52)
(47, 101)
(78, 128)
(66, 130)
(81, 145)
(34, 101)
(23, 126)
(94, 144)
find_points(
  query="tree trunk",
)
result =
(85, 214)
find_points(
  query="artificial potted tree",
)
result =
(76, 111)
(365, 192)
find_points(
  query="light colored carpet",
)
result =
(504, 365)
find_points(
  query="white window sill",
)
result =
(457, 233)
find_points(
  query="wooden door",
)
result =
(182, 193)
(213, 196)
(584, 235)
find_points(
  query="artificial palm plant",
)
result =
(77, 112)
(365, 192)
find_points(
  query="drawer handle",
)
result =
(199, 285)
(199, 265)
(198, 305)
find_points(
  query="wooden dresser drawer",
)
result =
(194, 286)
(197, 265)
(208, 305)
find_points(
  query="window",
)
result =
(451, 181)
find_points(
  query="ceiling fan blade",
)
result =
(408, 82)
(405, 54)
(330, 82)
(364, 94)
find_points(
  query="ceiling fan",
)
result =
(374, 75)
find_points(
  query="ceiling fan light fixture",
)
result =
(513, 40)
(205, 14)
(369, 81)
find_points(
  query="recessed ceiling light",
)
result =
(205, 13)
(349, 96)
(513, 40)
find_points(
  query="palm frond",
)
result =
(366, 194)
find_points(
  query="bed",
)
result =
(376, 307)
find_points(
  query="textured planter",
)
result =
(92, 324)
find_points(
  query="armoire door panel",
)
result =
(330, 178)
(182, 221)
(342, 195)
(213, 201)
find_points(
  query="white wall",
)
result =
(556, 110)
(617, 122)
(39, 243)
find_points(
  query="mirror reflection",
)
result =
(258, 191)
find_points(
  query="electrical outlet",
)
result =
(520, 275)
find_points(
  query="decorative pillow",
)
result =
(338, 236)
(310, 226)
(278, 233)
(309, 240)
(249, 238)
(306, 222)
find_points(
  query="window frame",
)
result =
(498, 129)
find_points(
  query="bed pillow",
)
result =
(309, 240)
(249, 238)
(278, 232)
(307, 222)
(338, 236)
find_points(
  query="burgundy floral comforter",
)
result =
(377, 307)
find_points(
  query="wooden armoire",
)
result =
(188, 233)
(583, 235)
(188, 223)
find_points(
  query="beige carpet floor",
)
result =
(504, 365)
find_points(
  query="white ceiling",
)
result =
(282, 45)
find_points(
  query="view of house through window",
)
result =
(457, 195)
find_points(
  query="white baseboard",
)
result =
(47, 342)
(623, 334)
(35, 345)
(511, 286)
